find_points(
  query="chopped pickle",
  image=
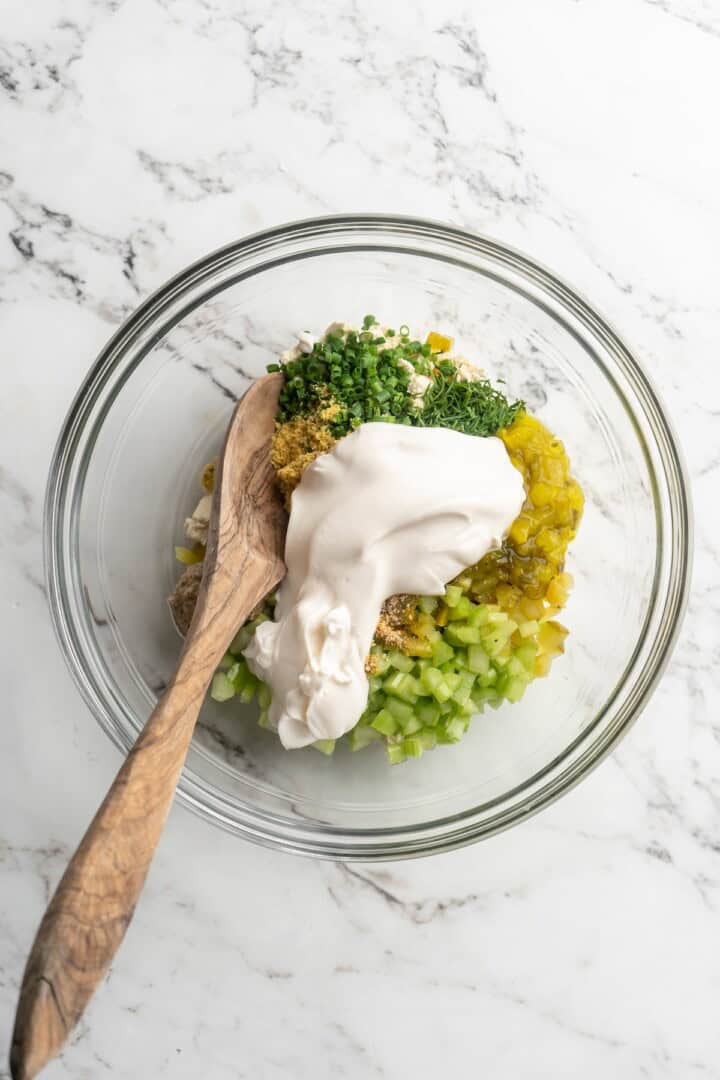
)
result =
(190, 556)
(438, 342)
(530, 561)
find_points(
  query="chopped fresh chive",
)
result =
(369, 380)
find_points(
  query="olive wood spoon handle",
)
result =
(87, 917)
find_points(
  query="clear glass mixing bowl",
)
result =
(153, 410)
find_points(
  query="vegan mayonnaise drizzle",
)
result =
(390, 509)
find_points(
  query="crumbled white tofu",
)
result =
(196, 527)
(466, 370)
(291, 354)
(340, 328)
(418, 384)
(306, 341)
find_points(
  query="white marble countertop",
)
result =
(135, 137)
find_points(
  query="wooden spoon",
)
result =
(94, 902)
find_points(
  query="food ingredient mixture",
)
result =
(436, 660)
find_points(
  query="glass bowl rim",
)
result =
(368, 844)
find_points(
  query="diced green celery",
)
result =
(482, 695)
(393, 682)
(453, 593)
(442, 652)
(461, 696)
(239, 674)
(374, 684)
(505, 629)
(325, 746)
(527, 629)
(495, 642)
(385, 723)
(516, 667)
(412, 747)
(502, 681)
(428, 604)
(400, 661)
(226, 663)
(526, 654)
(463, 634)
(453, 730)
(479, 615)
(478, 660)
(452, 679)
(468, 708)
(248, 691)
(222, 688)
(496, 618)
(464, 688)
(361, 736)
(441, 692)
(413, 725)
(376, 701)
(264, 719)
(515, 689)
(434, 681)
(428, 739)
(428, 712)
(413, 687)
(395, 753)
(403, 687)
(447, 708)
(461, 610)
(401, 710)
(461, 658)
(263, 695)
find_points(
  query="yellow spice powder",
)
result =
(297, 443)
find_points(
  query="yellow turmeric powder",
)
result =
(297, 443)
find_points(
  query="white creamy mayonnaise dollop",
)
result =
(390, 509)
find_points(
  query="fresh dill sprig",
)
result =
(475, 408)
